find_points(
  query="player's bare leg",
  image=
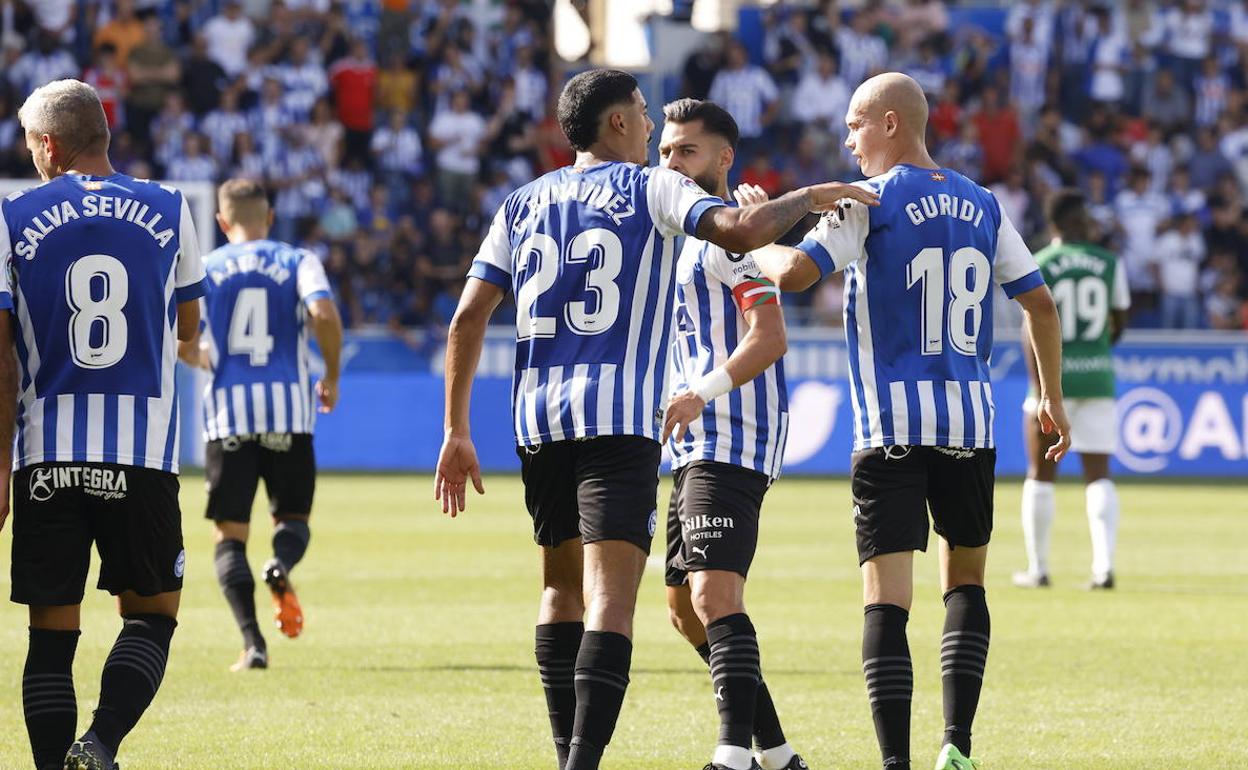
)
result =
(290, 541)
(1039, 506)
(964, 643)
(612, 575)
(887, 591)
(238, 584)
(1102, 507)
(132, 675)
(560, 626)
(48, 701)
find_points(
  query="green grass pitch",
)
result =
(418, 647)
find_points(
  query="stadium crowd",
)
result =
(389, 131)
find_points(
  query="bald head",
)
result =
(896, 93)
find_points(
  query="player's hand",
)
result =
(749, 195)
(1052, 417)
(826, 196)
(327, 394)
(457, 462)
(684, 408)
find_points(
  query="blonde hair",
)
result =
(70, 112)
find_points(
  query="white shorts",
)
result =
(1093, 424)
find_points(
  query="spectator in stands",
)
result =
(787, 47)
(398, 86)
(1141, 213)
(221, 125)
(702, 65)
(964, 154)
(511, 137)
(923, 21)
(1213, 91)
(303, 79)
(270, 117)
(1180, 252)
(821, 100)
(458, 73)
(325, 134)
(1185, 199)
(154, 73)
(108, 79)
(530, 85)
(298, 175)
(397, 151)
(123, 32)
(1188, 36)
(192, 163)
(1154, 154)
(230, 36)
(46, 62)
(245, 159)
(863, 53)
(1207, 163)
(999, 135)
(203, 79)
(1029, 68)
(1110, 53)
(928, 70)
(1166, 103)
(354, 81)
(749, 94)
(457, 134)
(761, 172)
(168, 129)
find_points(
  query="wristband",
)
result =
(712, 385)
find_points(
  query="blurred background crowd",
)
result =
(389, 131)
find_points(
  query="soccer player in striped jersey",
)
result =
(102, 273)
(918, 317)
(589, 251)
(1089, 285)
(727, 421)
(261, 403)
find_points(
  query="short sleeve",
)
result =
(1014, 267)
(188, 276)
(749, 287)
(310, 279)
(492, 263)
(676, 202)
(838, 238)
(6, 254)
(1121, 296)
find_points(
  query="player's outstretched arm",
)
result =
(8, 409)
(327, 326)
(764, 344)
(751, 227)
(1043, 327)
(457, 462)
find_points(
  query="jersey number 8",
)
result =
(104, 314)
(599, 281)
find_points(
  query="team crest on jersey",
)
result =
(93, 186)
(938, 177)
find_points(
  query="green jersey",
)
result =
(1087, 282)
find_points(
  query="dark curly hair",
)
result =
(586, 97)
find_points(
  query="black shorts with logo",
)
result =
(894, 487)
(600, 488)
(233, 467)
(712, 520)
(130, 514)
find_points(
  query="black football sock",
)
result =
(239, 587)
(963, 655)
(768, 734)
(890, 680)
(735, 676)
(132, 675)
(601, 680)
(556, 647)
(48, 701)
(290, 541)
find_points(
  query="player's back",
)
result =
(1088, 283)
(919, 308)
(256, 337)
(98, 266)
(590, 254)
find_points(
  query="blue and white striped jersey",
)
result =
(256, 336)
(749, 425)
(918, 304)
(93, 269)
(590, 254)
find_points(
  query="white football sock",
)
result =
(1102, 500)
(1039, 508)
(776, 758)
(736, 757)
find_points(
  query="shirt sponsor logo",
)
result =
(104, 483)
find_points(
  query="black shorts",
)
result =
(233, 467)
(602, 488)
(894, 487)
(712, 521)
(130, 514)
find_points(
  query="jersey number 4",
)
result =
(249, 326)
(968, 286)
(599, 282)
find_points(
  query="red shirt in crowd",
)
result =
(109, 84)
(946, 120)
(999, 137)
(355, 92)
